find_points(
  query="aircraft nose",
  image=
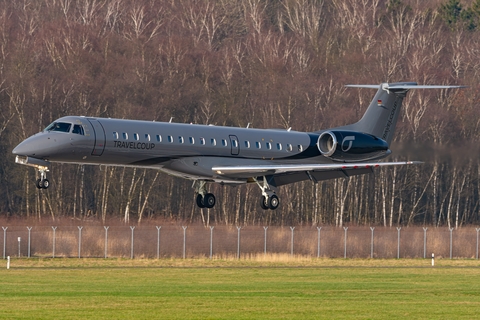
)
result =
(29, 147)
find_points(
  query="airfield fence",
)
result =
(238, 242)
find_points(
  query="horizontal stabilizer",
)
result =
(398, 86)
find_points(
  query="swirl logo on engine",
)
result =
(350, 140)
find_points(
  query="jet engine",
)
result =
(351, 146)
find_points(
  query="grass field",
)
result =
(239, 289)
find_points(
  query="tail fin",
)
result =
(381, 117)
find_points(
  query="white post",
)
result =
(79, 241)
(19, 240)
(371, 243)
(131, 249)
(292, 228)
(318, 242)
(211, 242)
(345, 250)
(29, 231)
(106, 240)
(424, 242)
(184, 240)
(54, 236)
(433, 260)
(158, 241)
(8, 262)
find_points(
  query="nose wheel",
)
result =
(43, 182)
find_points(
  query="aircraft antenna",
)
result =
(170, 120)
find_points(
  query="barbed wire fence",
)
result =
(238, 242)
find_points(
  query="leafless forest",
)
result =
(274, 64)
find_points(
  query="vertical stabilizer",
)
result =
(381, 117)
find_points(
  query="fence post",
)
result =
(318, 242)
(398, 242)
(451, 242)
(424, 242)
(292, 228)
(371, 243)
(29, 230)
(106, 240)
(4, 240)
(238, 242)
(54, 236)
(265, 242)
(158, 241)
(79, 240)
(211, 242)
(345, 250)
(131, 249)
(184, 240)
(476, 255)
(19, 241)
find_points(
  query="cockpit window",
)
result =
(78, 129)
(59, 127)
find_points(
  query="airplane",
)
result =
(228, 155)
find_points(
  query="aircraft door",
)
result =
(99, 133)
(235, 145)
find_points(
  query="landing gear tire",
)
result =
(273, 202)
(42, 184)
(209, 200)
(200, 201)
(264, 203)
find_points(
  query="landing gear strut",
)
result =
(204, 199)
(269, 199)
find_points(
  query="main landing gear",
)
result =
(43, 182)
(269, 199)
(204, 199)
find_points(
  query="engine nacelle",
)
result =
(351, 146)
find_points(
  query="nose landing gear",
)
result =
(43, 182)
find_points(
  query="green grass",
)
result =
(228, 289)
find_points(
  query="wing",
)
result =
(290, 173)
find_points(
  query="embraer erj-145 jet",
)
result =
(228, 155)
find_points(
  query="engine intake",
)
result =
(327, 143)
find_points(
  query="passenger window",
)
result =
(269, 145)
(115, 135)
(135, 136)
(224, 142)
(289, 147)
(279, 146)
(125, 136)
(213, 142)
(202, 141)
(170, 139)
(147, 137)
(159, 138)
(78, 129)
(258, 145)
(192, 141)
(180, 139)
(300, 148)
(247, 144)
